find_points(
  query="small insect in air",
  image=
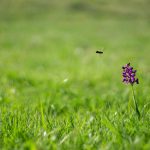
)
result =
(99, 52)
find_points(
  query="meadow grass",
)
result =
(56, 92)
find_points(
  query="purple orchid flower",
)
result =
(129, 75)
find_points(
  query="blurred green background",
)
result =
(53, 40)
(47, 55)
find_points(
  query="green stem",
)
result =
(135, 103)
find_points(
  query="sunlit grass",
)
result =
(56, 92)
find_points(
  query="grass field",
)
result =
(56, 92)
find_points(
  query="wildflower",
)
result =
(129, 77)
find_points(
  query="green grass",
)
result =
(56, 92)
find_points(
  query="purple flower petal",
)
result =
(129, 74)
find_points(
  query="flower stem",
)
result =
(135, 103)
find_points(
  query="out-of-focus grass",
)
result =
(55, 91)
